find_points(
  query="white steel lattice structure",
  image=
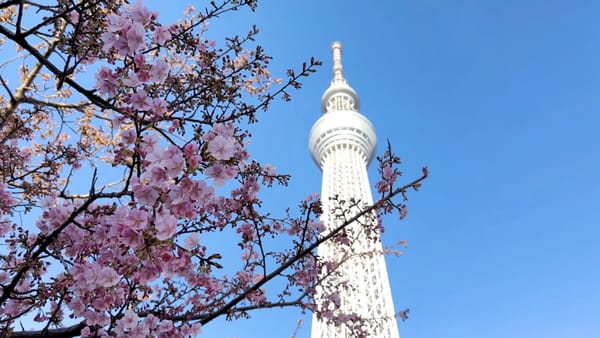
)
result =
(342, 142)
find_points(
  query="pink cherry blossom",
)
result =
(107, 277)
(140, 13)
(198, 190)
(192, 157)
(156, 176)
(144, 195)
(269, 170)
(161, 35)
(116, 22)
(221, 173)
(403, 212)
(191, 330)
(191, 241)
(128, 136)
(166, 225)
(247, 231)
(166, 328)
(7, 201)
(223, 129)
(318, 226)
(141, 76)
(122, 45)
(159, 71)
(129, 320)
(221, 147)
(135, 37)
(77, 306)
(131, 237)
(140, 100)
(139, 60)
(159, 107)
(150, 142)
(106, 82)
(96, 318)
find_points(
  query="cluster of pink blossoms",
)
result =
(126, 31)
(140, 245)
(133, 326)
(125, 36)
(136, 243)
(7, 201)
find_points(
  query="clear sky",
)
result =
(501, 99)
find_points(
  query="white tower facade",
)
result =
(342, 143)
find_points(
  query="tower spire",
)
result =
(338, 70)
(339, 95)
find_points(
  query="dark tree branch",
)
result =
(65, 332)
(89, 94)
(231, 304)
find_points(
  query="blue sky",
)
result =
(501, 100)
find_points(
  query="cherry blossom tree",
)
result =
(111, 185)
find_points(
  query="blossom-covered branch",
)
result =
(123, 165)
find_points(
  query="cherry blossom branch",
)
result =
(169, 111)
(285, 265)
(89, 94)
(57, 105)
(230, 307)
(65, 332)
(26, 83)
(42, 244)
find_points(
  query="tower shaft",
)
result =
(342, 143)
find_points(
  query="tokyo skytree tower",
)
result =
(342, 143)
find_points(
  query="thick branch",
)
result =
(64, 332)
(7, 4)
(57, 105)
